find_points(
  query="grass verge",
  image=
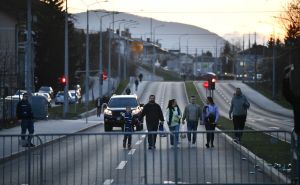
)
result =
(264, 146)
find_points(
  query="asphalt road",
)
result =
(96, 158)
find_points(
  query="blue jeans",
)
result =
(192, 126)
(176, 135)
(27, 125)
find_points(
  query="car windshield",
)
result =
(45, 89)
(122, 102)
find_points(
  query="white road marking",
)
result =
(138, 142)
(121, 165)
(131, 152)
(274, 128)
(143, 136)
(108, 181)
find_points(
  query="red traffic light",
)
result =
(63, 80)
(205, 84)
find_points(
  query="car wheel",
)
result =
(107, 128)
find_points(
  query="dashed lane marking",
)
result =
(138, 142)
(108, 181)
(131, 152)
(121, 165)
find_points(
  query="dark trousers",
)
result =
(127, 137)
(152, 137)
(210, 136)
(238, 125)
(192, 126)
(27, 125)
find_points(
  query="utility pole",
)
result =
(255, 62)
(66, 88)
(28, 64)
(274, 71)
(87, 68)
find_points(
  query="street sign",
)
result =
(205, 84)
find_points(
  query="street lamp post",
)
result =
(100, 55)
(66, 88)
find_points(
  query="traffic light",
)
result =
(211, 84)
(62, 81)
(104, 76)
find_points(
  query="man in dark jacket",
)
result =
(153, 114)
(238, 113)
(25, 116)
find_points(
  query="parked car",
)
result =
(117, 106)
(46, 89)
(46, 95)
(17, 95)
(74, 96)
(59, 98)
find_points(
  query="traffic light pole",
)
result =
(66, 88)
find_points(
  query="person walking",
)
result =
(141, 77)
(210, 117)
(238, 113)
(173, 116)
(136, 82)
(128, 128)
(25, 115)
(128, 91)
(153, 114)
(98, 106)
(192, 115)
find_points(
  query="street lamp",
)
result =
(179, 38)
(155, 27)
(100, 54)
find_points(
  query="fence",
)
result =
(99, 158)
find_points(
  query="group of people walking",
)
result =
(208, 116)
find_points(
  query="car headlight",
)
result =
(108, 112)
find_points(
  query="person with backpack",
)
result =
(210, 118)
(192, 115)
(25, 117)
(128, 128)
(238, 113)
(173, 116)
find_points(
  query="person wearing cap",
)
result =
(25, 117)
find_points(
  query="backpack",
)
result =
(211, 117)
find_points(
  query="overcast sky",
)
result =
(224, 17)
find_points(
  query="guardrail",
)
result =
(99, 158)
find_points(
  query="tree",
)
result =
(227, 60)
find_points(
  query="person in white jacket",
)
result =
(173, 116)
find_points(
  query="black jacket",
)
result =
(24, 110)
(153, 113)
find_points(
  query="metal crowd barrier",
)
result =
(99, 158)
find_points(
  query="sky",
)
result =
(227, 18)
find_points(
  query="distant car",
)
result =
(116, 107)
(46, 95)
(17, 95)
(46, 89)
(74, 96)
(59, 98)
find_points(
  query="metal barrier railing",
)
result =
(99, 158)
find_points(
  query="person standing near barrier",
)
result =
(238, 113)
(25, 117)
(153, 114)
(173, 116)
(192, 115)
(210, 117)
(128, 128)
